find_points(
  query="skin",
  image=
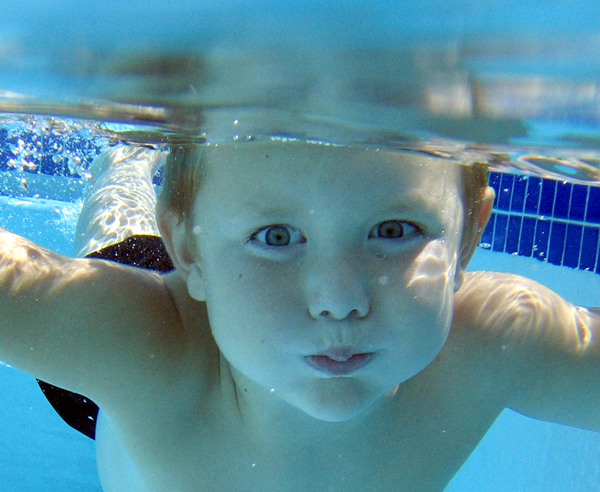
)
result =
(121, 201)
(202, 376)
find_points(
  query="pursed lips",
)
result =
(339, 362)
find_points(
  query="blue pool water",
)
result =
(508, 77)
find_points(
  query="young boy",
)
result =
(319, 331)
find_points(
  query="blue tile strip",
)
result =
(545, 219)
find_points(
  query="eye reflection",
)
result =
(277, 236)
(392, 229)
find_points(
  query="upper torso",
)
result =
(420, 449)
(168, 438)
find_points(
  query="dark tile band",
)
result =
(553, 221)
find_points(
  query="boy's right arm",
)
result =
(85, 325)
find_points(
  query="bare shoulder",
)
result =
(499, 320)
(117, 334)
(540, 350)
(166, 358)
(158, 336)
(511, 316)
(475, 375)
(118, 316)
(499, 304)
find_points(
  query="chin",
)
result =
(333, 414)
(336, 400)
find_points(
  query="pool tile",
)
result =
(532, 200)
(500, 230)
(547, 198)
(572, 245)
(527, 235)
(86, 148)
(593, 208)
(4, 156)
(518, 195)
(557, 242)
(513, 234)
(562, 200)
(506, 187)
(579, 197)
(589, 248)
(542, 235)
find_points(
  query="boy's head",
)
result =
(328, 272)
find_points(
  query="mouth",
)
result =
(339, 363)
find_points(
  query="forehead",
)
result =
(299, 172)
(247, 168)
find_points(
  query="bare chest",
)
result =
(421, 449)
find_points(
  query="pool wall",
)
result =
(545, 219)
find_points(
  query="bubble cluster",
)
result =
(46, 145)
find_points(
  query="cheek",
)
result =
(431, 279)
(254, 316)
(251, 295)
(420, 301)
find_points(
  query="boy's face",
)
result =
(328, 272)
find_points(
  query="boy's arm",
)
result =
(545, 352)
(90, 326)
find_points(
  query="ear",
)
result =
(472, 236)
(182, 251)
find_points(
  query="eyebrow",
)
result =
(272, 206)
(416, 203)
(260, 213)
(422, 206)
(411, 198)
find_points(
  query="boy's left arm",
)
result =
(545, 352)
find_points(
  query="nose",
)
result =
(336, 289)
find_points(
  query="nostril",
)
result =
(359, 313)
(355, 313)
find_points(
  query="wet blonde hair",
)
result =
(185, 170)
(183, 174)
(474, 185)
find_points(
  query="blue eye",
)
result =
(278, 235)
(393, 229)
